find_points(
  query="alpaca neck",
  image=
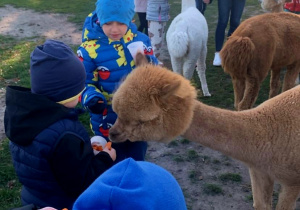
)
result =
(226, 131)
(186, 4)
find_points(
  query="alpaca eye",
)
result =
(140, 122)
(137, 123)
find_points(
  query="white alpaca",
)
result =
(187, 40)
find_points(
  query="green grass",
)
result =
(14, 63)
(173, 143)
(184, 141)
(9, 185)
(178, 158)
(230, 177)
(194, 176)
(14, 70)
(212, 189)
(192, 155)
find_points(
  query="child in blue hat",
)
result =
(51, 150)
(131, 185)
(106, 52)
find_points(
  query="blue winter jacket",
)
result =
(51, 150)
(107, 63)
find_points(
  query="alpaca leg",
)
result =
(287, 197)
(250, 94)
(239, 89)
(188, 68)
(262, 189)
(177, 65)
(274, 82)
(291, 75)
(201, 68)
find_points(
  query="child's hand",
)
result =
(96, 105)
(111, 151)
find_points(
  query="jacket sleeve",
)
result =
(149, 52)
(91, 82)
(75, 166)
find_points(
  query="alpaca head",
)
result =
(273, 5)
(152, 104)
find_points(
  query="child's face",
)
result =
(114, 30)
(72, 104)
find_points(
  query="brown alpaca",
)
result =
(156, 104)
(260, 44)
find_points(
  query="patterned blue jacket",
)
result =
(107, 63)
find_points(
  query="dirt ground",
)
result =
(194, 166)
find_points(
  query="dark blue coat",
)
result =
(51, 150)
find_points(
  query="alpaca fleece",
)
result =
(260, 44)
(155, 104)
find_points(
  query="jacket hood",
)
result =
(27, 114)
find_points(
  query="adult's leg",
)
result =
(143, 23)
(200, 6)
(236, 15)
(223, 17)
(140, 28)
(203, 8)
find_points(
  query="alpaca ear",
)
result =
(140, 59)
(162, 95)
(170, 89)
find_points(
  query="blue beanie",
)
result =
(115, 10)
(133, 185)
(56, 72)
